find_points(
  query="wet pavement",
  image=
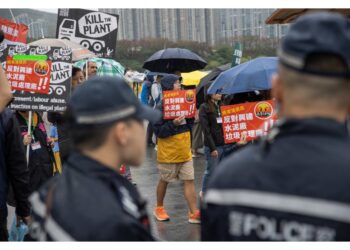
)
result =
(178, 228)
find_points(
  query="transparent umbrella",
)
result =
(105, 67)
(79, 52)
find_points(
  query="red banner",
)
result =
(14, 32)
(179, 103)
(32, 76)
(252, 119)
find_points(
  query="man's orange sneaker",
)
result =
(195, 217)
(160, 214)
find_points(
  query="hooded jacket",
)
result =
(168, 81)
(174, 142)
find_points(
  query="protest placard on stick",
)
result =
(252, 119)
(179, 103)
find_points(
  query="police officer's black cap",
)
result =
(316, 33)
(104, 100)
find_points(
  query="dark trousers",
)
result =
(3, 229)
(149, 133)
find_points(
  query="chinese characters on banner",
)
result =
(14, 33)
(253, 119)
(58, 83)
(32, 76)
(179, 103)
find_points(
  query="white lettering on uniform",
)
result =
(308, 232)
(325, 234)
(249, 224)
(265, 228)
(291, 231)
(236, 220)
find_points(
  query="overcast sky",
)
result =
(49, 10)
(55, 10)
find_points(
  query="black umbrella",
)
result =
(174, 59)
(208, 79)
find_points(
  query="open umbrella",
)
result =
(79, 52)
(174, 59)
(252, 75)
(105, 67)
(208, 79)
(193, 78)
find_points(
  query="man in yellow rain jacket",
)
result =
(174, 156)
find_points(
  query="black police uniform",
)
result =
(292, 185)
(89, 202)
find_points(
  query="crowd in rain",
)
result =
(69, 179)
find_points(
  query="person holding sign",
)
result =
(41, 157)
(211, 122)
(174, 156)
(292, 185)
(238, 120)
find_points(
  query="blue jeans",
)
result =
(211, 164)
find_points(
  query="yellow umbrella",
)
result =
(192, 78)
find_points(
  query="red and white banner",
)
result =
(252, 119)
(31, 76)
(179, 103)
(14, 32)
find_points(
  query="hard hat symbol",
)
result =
(41, 68)
(263, 110)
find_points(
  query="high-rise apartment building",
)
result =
(211, 26)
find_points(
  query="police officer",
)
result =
(293, 185)
(90, 201)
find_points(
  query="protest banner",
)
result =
(28, 75)
(14, 33)
(179, 103)
(56, 96)
(96, 31)
(251, 119)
